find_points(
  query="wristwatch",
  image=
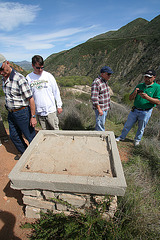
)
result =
(33, 116)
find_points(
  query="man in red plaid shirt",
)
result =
(100, 97)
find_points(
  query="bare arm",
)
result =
(150, 99)
(33, 121)
(99, 110)
(133, 95)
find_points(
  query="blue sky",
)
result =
(29, 27)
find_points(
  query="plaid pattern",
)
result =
(17, 91)
(100, 94)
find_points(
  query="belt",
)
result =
(15, 110)
(140, 109)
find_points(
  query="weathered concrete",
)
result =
(71, 161)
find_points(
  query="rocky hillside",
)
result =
(129, 51)
(25, 65)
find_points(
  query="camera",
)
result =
(139, 91)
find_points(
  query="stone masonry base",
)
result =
(42, 200)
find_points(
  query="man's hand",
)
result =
(100, 112)
(150, 99)
(33, 122)
(143, 95)
(59, 110)
(133, 95)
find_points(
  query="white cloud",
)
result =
(59, 34)
(13, 14)
(45, 41)
(16, 45)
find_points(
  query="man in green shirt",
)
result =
(146, 96)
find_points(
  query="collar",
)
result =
(102, 79)
(10, 78)
(149, 85)
(12, 75)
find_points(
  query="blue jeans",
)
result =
(100, 120)
(142, 117)
(19, 123)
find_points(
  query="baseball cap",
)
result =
(106, 69)
(150, 73)
(2, 59)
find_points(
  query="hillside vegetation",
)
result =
(129, 51)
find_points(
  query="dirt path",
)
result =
(11, 205)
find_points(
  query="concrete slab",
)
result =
(71, 161)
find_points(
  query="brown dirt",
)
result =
(11, 205)
(125, 150)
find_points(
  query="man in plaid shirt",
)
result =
(20, 105)
(100, 97)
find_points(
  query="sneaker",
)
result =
(136, 143)
(119, 139)
(0, 143)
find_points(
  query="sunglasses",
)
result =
(39, 67)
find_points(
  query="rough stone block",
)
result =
(32, 212)
(34, 193)
(76, 201)
(61, 207)
(38, 203)
(49, 194)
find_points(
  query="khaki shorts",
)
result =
(49, 122)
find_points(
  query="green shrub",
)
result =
(76, 115)
(118, 113)
(83, 96)
(90, 225)
(1, 92)
(70, 81)
(125, 99)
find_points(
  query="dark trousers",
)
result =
(19, 123)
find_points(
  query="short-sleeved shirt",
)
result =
(151, 90)
(17, 91)
(100, 94)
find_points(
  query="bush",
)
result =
(83, 96)
(76, 116)
(90, 225)
(125, 99)
(118, 113)
(70, 81)
(138, 211)
(153, 127)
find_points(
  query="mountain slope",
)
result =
(25, 65)
(129, 30)
(129, 51)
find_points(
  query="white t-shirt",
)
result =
(45, 92)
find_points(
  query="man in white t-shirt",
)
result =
(46, 95)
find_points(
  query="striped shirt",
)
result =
(100, 94)
(17, 91)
